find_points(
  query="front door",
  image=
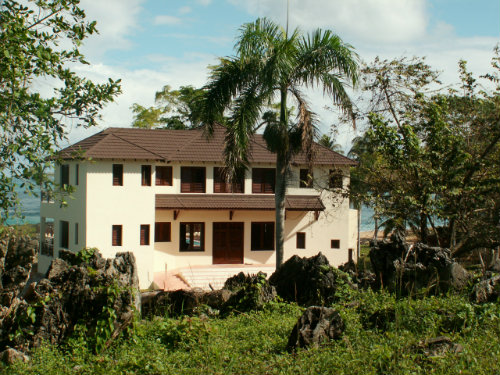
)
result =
(228, 243)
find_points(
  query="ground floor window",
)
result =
(301, 240)
(64, 243)
(192, 237)
(262, 236)
(335, 244)
(162, 232)
(144, 234)
(116, 238)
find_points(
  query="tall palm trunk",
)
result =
(282, 161)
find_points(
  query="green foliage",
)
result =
(430, 153)
(85, 255)
(255, 342)
(38, 42)
(174, 109)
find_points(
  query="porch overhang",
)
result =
(235, 202)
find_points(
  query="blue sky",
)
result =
(152, 43)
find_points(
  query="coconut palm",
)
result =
(272, 66)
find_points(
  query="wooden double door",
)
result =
(227, 243)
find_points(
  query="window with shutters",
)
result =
(306, 179)
(144, 240)
(77, 174)
(163, 175)
(221, 186)
(64, 235)
(301, 240)
(145, 175)
(335, 180)
(162, 232)
(335, 244)
(192, 237)
(193, 179)
(64, 174)
(116, 237)
(117, 174)
(263, 180)
(262, 236)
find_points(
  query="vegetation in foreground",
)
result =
(383, 336)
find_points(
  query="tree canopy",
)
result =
(272, 66)
(430, 157)
(39, 44)
(173, 109)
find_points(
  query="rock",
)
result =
(360, 279)
(252, 293)
(308, 281)
(181, 302)
(10, 356)
(408, 269)
(486, 291)
(495, 266)
(439, 346)
(317, 325)
(79, 289)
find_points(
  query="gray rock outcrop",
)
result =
(317, 325)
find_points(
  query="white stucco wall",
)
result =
(97, 205)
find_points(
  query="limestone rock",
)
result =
(10, 356)
(308, 281)
(487, 290)
(317, 325)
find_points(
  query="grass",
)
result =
(254, 343)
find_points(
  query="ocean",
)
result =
(31, 213)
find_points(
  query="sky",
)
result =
(152, 43)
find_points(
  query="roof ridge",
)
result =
(136, 145)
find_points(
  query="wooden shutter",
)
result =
(269, 180)
(257, 180)
(144, 234)
(145, 175)
(116, 239)
(164, 175)
(117, 174)
(193, 179)
(162, 232)
(64, 242)
(64, 174)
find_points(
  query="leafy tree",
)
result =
(430, 153)
(173, 109)
(270, 64)
(39, 40)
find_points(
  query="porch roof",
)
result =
(236, 202)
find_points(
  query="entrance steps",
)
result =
(214, 277)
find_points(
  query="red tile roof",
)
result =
(236, 202)
(180, 145)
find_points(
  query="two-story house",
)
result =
(161, 194)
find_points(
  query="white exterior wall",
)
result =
(73, 212)
(98, 205)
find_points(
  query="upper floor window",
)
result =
(193, 179)
(335, 179)
(117, 174)
(263, 180)
(221, 186)
(164, 175)
(64, 174)
(306, 179)
(145, 175)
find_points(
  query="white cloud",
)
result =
(185, 10)
(376, 20)
(167, 20)
(116, 21)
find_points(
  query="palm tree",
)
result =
(271, 65)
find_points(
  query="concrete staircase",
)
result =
(213, 277)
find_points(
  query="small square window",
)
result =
(306, 179)
(162, 232)
(164, 175)
(144, 240)
(64, 235)
(117, 174)
(335, 244)
(145, 175)
(301, 240)
(335, 180)
(64, 174)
